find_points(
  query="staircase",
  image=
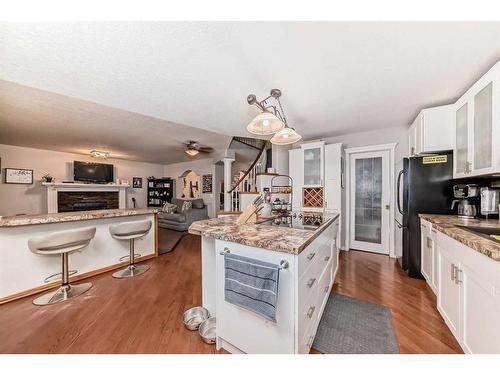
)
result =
(245, 181)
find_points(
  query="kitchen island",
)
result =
(308, 252)
(23, 273)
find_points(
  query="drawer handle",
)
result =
(327, 258)
(311, 281)
(452, 273)
(310, 312)
(433, 231)
(311, 255)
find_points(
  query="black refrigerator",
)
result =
(424, 185)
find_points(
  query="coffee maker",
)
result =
(467, 195)
(489, 201)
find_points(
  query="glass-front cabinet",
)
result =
(461, 140)
(483, 129)
(313, 154)
(477, 128)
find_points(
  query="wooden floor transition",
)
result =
(143, 314)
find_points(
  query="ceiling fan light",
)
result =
(286, 136)
(99, 154)
(191, 151)
(265, 123)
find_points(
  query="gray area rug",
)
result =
(353, 326)
(168, 239)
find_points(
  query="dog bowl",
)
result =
(207, 331)
(193, 317)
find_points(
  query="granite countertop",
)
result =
(22, 220)
(448, 225)
(283, 239)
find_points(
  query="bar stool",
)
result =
(64, 243)
(130, 231)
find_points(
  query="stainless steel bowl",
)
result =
(193, 317)
(207, 331)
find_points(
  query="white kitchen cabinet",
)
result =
(448, 302)
(313, 166)
(428, 261)
(468, 295)
(333, 176)
(432, 130)
(477, 128)
(296, 165)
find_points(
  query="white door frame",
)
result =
(356, 150)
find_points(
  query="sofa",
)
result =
(180, 221)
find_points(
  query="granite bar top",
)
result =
(22, 220)
(449, 225)
(282, 239)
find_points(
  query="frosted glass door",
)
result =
(483, 112)
(312, 166)
(462, 143)
(369, 202)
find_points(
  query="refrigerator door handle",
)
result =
(398, 198)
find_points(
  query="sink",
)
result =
(483, 231)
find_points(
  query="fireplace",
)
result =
(68, 201)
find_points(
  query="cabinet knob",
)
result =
(327, 258)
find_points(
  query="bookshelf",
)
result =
(160, 191)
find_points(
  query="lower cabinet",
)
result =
(428, 261)
(468, 295)
(448, 302)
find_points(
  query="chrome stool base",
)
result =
(62, 294)
(131, 271)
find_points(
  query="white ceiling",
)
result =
(41, 119)
(336, 77)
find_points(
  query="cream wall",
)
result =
(31, 199)
(397, 135)
(201, 167)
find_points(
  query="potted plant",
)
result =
(47, 178)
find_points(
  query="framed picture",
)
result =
(137, 182)
(206, 183)
(18, 176)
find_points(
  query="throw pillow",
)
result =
(169, 208)
(186, 205)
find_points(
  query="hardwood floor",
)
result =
(143, 314)
(379, 279)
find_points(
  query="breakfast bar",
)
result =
(24, 273)
(303, 251)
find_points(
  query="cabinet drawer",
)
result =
(308, 282)
(316, 251)
(308, 314)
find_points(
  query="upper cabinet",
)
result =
(313, 163)
(477, 128)
(432, 130)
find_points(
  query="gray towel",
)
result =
(251, 284)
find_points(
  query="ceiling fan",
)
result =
(193, 148)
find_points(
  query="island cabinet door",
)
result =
(248, 332)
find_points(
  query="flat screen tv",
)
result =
(98, 173)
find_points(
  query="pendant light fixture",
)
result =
(271, 120)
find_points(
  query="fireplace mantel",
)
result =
(54, 188)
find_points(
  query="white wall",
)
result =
(201, 167)
(397, 135)
(32, 199)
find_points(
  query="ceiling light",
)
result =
(99, 154)
(286, 136)
(191, 151)
(265, 123)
